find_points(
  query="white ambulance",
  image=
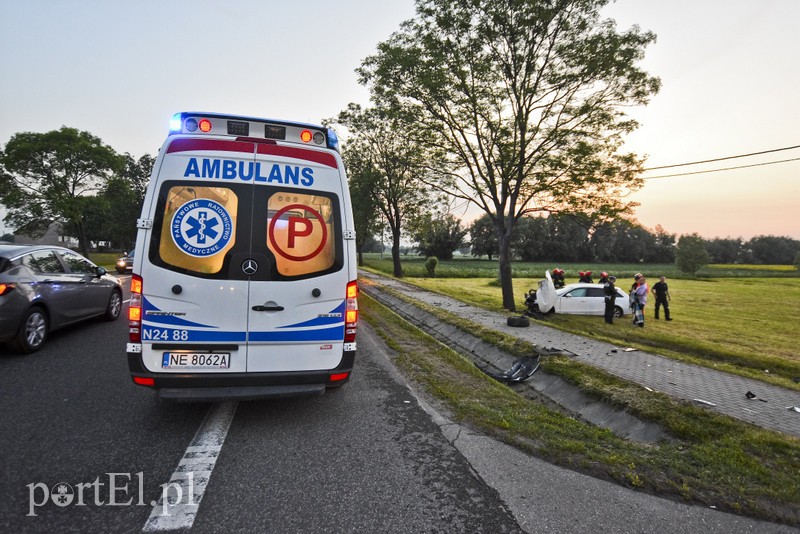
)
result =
(244, 280)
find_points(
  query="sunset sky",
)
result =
(729, 69)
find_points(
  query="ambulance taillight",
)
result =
(135, 310)
(351, 312)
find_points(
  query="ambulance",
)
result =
(244, 279)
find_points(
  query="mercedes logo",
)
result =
(249, 267)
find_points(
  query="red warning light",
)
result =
(306, 136)
(205, 125)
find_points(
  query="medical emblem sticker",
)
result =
(201, 228)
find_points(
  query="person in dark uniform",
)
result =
(610, 292)
(661, 291)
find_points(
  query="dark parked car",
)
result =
(125, 263)
(43, 288)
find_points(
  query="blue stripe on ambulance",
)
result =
(335, 333)
(160, 334)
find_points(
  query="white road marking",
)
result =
(186, 486)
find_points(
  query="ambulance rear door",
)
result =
(296, 302)
(195, 287)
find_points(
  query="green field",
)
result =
(468, 267)
(746, 325)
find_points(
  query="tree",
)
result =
(691, 255)
(772, 250)
(483, 237)
(664, 251)
(46, 177)
(123, 196)
(725, 250)
(530, 239)
(525, 97)
(567, 238)
(438, 236)
(363, 179)
(393, 162)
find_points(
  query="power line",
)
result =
(723, 159)
(723, 169)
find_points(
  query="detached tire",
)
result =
(32, 332)
(518, 321)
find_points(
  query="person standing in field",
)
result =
(610, 292)
(639, 299)
(661, 292)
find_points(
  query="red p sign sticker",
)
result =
(294, 222)
(300, 233)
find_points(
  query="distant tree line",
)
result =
(572, 238)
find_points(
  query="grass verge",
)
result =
(713, 460)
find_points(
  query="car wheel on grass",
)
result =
(114, 306)
(617, 312)
(33, 331)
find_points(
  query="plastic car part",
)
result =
(521, 370)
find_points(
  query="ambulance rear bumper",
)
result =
(203, 387)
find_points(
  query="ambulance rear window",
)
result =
(200, 229)
(301, 232)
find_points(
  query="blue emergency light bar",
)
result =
(234, 125)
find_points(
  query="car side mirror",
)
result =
(101, 271)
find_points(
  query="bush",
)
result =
(691, 254)
(430, 266)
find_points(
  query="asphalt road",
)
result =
(371, 457)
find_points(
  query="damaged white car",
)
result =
(577, 299)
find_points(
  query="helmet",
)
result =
(582, 273)
(588, 273)
(604, 274)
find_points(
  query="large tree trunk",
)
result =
(504, 256)
(398, 269)
(83, 241)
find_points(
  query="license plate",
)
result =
(196, 360)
